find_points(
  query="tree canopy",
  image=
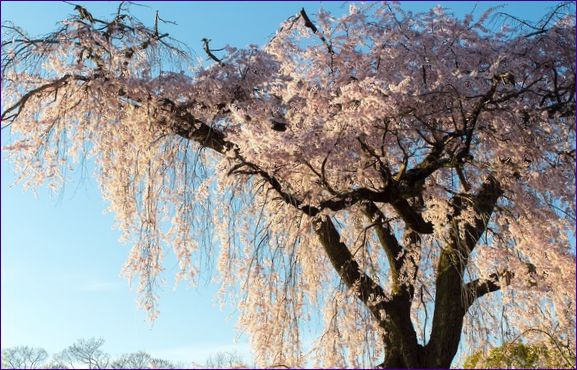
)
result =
(412, 176)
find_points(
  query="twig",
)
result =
(309, 24)
(208, 51)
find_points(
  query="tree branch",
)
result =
(208, 51)
(370, 293)
(188, 127)
(388, 242)
(54, 85)
(309, 24)
(483, 203)
(450, 307)
(348, 269)
(479, 287)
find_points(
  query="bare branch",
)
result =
(309, 24)
(479, 287)
(208, 51)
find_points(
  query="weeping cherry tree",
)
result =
(406, 180)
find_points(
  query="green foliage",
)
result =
(519, 355)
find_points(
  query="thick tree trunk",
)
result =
(452, 295)
(401, 349)
(393, 354)
(450, 309)
(401, 346)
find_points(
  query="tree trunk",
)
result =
(397, 354)
(402, 349)
(449, 312)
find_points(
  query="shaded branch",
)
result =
(479, 287)
(188, 127)
(388, 241)
(483, 204)
(450, 307)
(348, 269)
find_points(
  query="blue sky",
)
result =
(60, 254)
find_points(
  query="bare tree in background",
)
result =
(23, 357)
(221, 360)
(84, 352)
(141, 360)
(137, 360)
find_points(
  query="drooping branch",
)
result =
(187, 126)
(12, 112)
(389, 194)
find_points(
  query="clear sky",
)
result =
(60, 254)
